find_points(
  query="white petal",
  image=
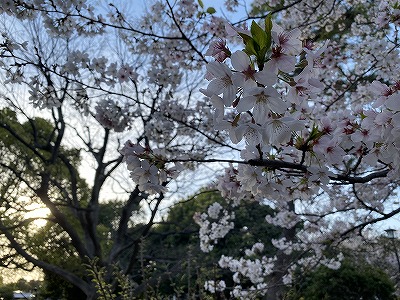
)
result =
(237, 133)
(270, 91)
(240, 61)
(229, 95)
(265, 77)
(286, 63)
(246, 103)
(216, 87)
(393, 102)
(378, 88)
(218, 69)
(217, 102)
(238, 79)
(315, 83)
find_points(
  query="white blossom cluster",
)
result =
(251, 268)
(112, 116)
(287, 247)
(246, 89)
(285, 219)
(57, 21)
(148, 168)
(214, 225)
(389, 13)
(214, 286)
(229, 187)
(255, 267)
(40, 96)
(105, 72)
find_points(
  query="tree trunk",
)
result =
(91, 297)
(277, 288)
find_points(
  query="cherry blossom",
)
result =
(112, 116)
(288, 41)
(263, 100)
(216, 228)
(245, 75)
(221, 82)
(218, 50)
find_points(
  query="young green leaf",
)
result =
(211, 10)
(259, 35)
(246, 38)
(250, 45)
(268, 30)
(251, 48)
(268, 24)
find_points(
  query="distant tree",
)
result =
(354, 280)
(56, 249)
(173, 261)
(6, 290)
(24, 167)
